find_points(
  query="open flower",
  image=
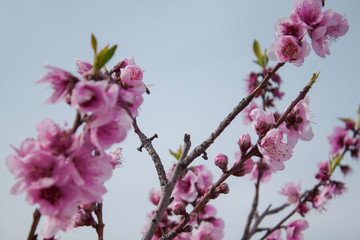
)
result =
(274, 150)
(292, 191)
(293, 230)
(297, 123)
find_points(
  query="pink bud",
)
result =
(179, 208)
(221, 161)
(187, 228)
(244, 142)
(224, 188)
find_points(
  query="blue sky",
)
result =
(196, 55)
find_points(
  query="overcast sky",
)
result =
(196, 55)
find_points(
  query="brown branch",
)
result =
(254, 151)
(147, 144)
(100, 224)
(246, 234)
(200, 149)
(36, 219)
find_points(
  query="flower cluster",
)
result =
(296, 126)
(64, 170)
(326, 188)
(194, 183)
(306, 17)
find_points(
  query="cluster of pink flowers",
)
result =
(293, 231)
(296, 126)
(306, 17)
(344, 139)
(62, 169)
(194, 183)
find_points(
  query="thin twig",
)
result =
(200, 149)
(147, 144)
(246, 234)
(36, 219)
(100, 224)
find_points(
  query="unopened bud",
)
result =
(244, 142)
(187, 228)
(179, 208)
(193, 217)
(246, 168)
(221, 161)
(224, 188)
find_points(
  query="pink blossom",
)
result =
(262, 121)
(155, 195)
(297, 123)
(293, 230)
(288, 27)
(37, 169)
(325, 195)
(61, 81)
(90, 170)
(323, 173)
(56, 200)
(185, 188)
(276, 235)
(179, 208)
(83, 66)
(221, 161)
(332, 26)
(289, 49)
(116, 157)
(95, 97)
(251, 82)
(244, 142)
(337, 139)
(52, 138)
(246, 112)
(267, 171)
(292, 191)
(274, 150)
(131, 98)
(109, 128)
(247, 166)
(209, 211)
(208, 230)
(308, 12)
(53, 224)
(203, 178)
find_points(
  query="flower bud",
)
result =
(179, 208)
(193, 217)
(224, 188)
(244, 142)
(221, 161)
(187, 228)
(246, 168)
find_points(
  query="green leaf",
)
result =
(104, 56)
(176, 154)
(257, 49)
(313, 79)
(94, 43)
(347, 121)
(334, 162)
(266, 58)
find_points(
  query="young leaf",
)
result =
(176, 154)
(94, 43)
(334, 162)
(257, 49)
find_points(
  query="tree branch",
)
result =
(182, 165)
(147, 144)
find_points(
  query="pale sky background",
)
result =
(196, 54)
